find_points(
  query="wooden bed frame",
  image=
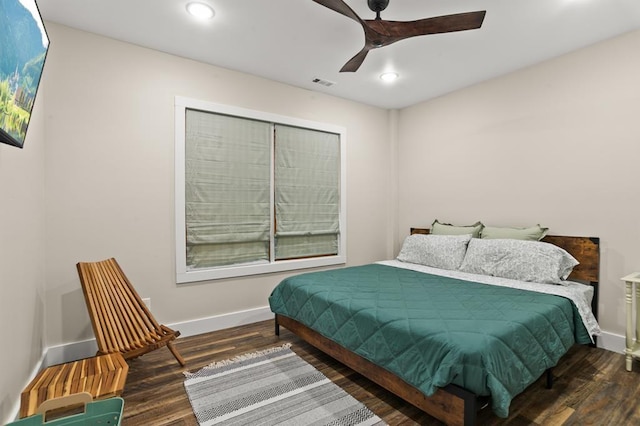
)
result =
(452, 404)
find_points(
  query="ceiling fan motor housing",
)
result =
(378, 5)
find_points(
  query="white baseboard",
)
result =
(612, 342)
(220, 322)
(87, 348)
(70, 352)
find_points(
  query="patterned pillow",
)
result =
(437, 251)
(521, 260)
(439, 228)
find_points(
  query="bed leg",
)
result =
(471, 404)
(277, 326)
(549, 378)
(471, 411)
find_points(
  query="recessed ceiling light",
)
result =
(389, 76)
(200, 10)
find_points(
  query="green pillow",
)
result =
(439, 228)
(533, 233)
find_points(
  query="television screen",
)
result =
(23, 49)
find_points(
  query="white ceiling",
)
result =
(295, 41)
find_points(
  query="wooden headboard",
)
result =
(586, 250)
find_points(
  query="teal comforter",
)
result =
(433, 331)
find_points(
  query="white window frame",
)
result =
(183, 274)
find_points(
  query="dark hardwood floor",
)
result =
(591, 385)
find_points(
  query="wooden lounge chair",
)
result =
(121, 321)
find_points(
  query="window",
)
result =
(256, 192)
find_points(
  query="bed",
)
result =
(411, 328)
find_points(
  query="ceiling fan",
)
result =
(379, 33)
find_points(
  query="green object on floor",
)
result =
(103, 412)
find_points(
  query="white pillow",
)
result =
(532, 261)
(437, 251)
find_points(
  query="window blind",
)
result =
(307, 192)
(227, 189)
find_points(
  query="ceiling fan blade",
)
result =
(354, 63)
(398, 30)
(379, 33)
(340, 7)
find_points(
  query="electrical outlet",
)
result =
(147, 301)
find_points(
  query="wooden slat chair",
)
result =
(121, 321)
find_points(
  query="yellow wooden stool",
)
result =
(102, 376)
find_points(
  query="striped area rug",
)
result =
(271, 387)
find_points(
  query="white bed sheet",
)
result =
(580, 294)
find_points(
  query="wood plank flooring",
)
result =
(591, 385)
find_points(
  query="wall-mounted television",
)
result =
(23, 49)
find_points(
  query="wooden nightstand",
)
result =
(633, 330)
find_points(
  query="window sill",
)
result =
(233, 271)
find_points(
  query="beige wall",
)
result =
(110, 133)
(556, 144)
(22, 260)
